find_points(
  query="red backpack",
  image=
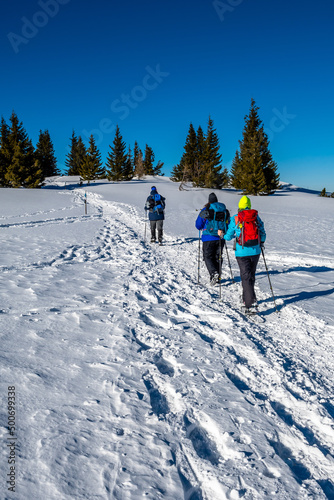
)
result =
(247, 221)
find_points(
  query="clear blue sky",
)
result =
(153, 67)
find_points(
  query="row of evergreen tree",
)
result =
(22, 165)
(122, 163)
(253, 169)
(200, 163)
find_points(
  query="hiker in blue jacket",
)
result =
(247, 252)
(208, 223)
(155, 204)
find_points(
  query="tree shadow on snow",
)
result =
(295, 297)
(298, 269)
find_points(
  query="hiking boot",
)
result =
(214, 279)
(254, 307)
(153, 240)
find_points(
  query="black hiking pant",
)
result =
(156, 225)
(247, 266)
(211, 255)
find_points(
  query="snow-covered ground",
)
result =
(134, 381)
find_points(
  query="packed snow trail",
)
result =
(133, 381)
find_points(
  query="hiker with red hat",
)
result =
(248, 229)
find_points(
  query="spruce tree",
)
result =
(237, 172)
(35, 176)
(200, 145)
(323, 193)
(157, 168)
(201, 160)
(199, 170)
(148, 161)
(184, 171)
(18, 135)
(190, 148)
(22, 167)
(116, 159)
(70, 158)
(95, 155)
(211, 158)
(253, 169)
(128, 167)
(269, 166)
(45, 155)
(23, 174)
(76, 155)
(213, 177)
(16, 170)
(136, 151)
(91, 167)
(4, 152)
(79, 157)
(88, 169)
(177, 173)
(190, 156)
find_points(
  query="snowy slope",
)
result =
(133, 381)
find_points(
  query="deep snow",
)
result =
(132, 381)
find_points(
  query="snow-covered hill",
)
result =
(134, 381)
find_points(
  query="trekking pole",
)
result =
(145, 231)
(229, 263)
(199, 254)
(220, 267)
(271, 288)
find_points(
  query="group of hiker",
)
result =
(217, 226)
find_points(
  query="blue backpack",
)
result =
(159, 204)
(217, 217)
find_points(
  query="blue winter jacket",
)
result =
(154, 199)
(202, 223)
(234, 231)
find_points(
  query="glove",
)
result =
(262, 244)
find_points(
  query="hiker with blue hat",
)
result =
(155, 205)
(248, 230)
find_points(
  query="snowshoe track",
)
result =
(204, 377)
